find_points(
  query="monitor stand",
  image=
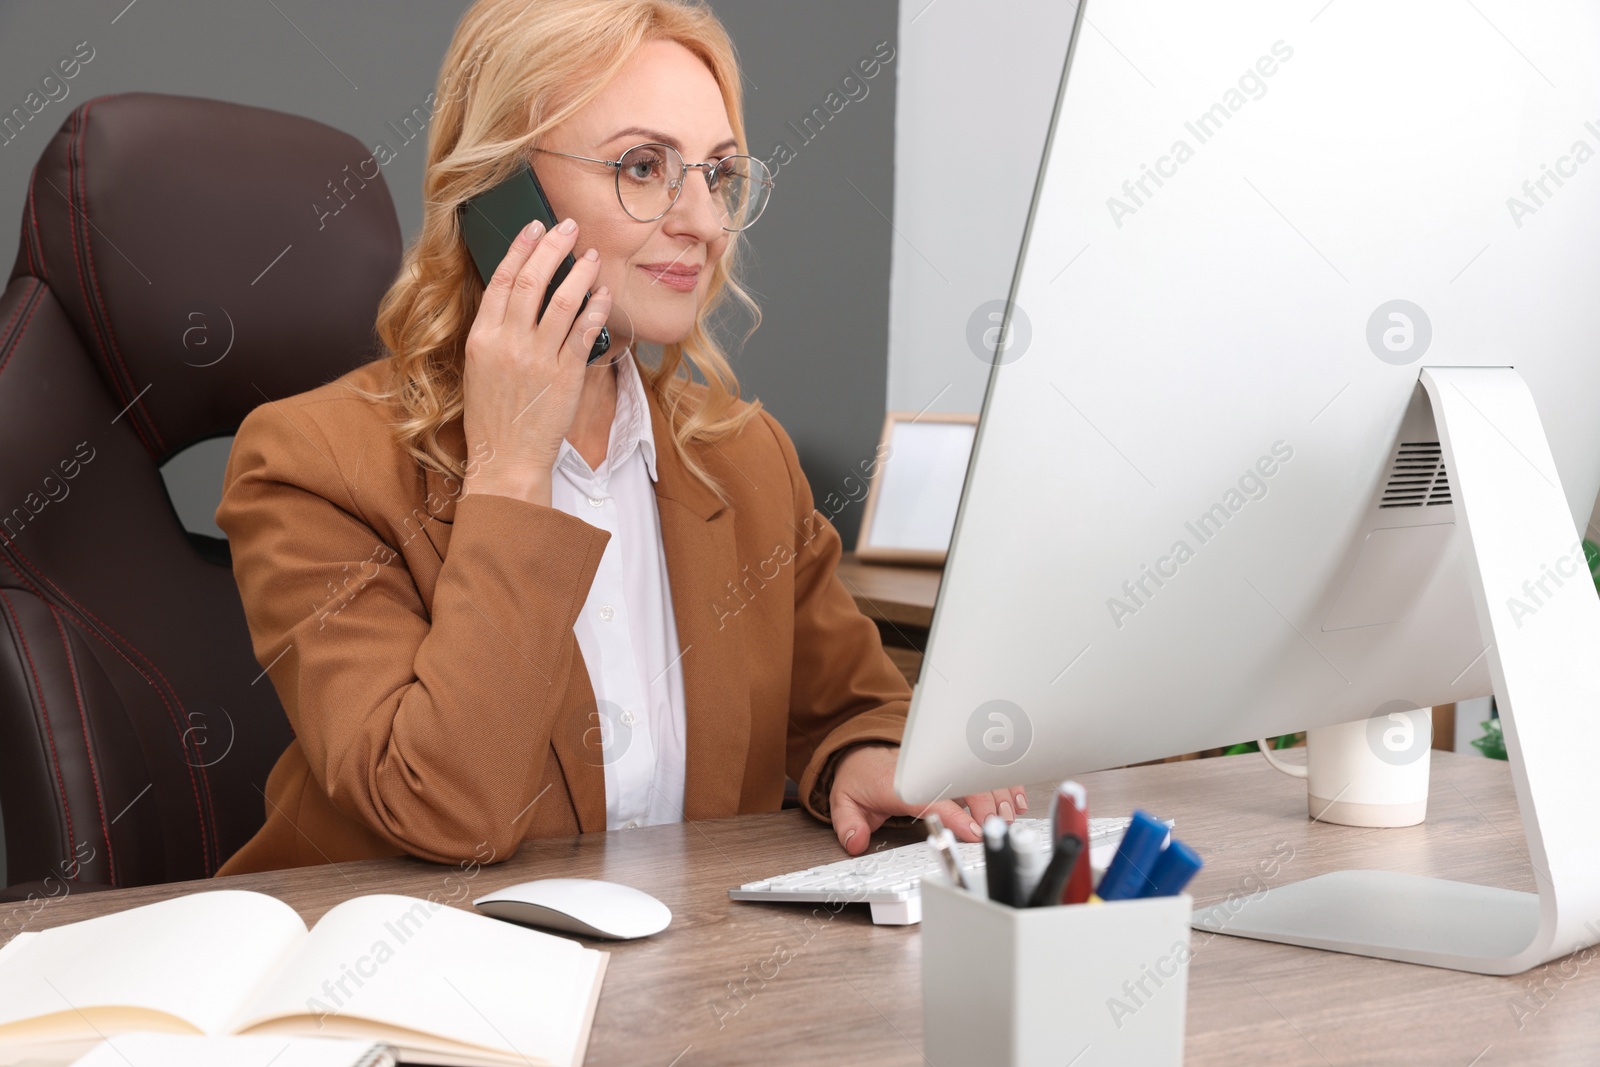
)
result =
(1545, 665)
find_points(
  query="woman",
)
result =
(504, 593)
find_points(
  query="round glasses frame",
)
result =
(758, 173)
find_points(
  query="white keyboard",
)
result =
(890, 880)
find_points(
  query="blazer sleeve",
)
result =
(429, 728)
(844, 689)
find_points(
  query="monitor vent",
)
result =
(1417, 478)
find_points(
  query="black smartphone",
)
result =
(492, 220)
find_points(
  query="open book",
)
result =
(250, 1050)
(439, 984)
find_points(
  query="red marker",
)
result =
(1069, 814)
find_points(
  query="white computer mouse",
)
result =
(583, 906)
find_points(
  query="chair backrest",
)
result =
(183, 260)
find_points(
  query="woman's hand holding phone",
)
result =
(523, 374)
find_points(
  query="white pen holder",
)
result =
(1076, 984)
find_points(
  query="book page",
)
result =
(193, 1050)
(429, 968)
(193, 959)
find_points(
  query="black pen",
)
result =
(1053, 884)
(999, 862)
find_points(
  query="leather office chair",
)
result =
(182, 261)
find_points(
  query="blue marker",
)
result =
(1130, 869)
(1174, 867)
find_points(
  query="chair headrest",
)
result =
(211, 256)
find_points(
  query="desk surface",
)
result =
(892, 592)
(850, 992)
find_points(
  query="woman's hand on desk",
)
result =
(863, 798)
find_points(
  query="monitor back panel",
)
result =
(1192, 514)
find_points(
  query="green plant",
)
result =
(1283, 741)
(1493, 742)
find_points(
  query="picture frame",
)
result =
(916, 487)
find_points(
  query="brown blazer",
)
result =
(422, 642)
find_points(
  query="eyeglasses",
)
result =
(650, 180)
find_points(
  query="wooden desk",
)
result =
(850, 992)
(892, 593)
(899, 598)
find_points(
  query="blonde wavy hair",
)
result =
(514, 70)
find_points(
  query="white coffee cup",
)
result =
(1371, 772)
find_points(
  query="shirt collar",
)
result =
(630, 426)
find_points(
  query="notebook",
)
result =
(441, 985)
(194, 1050)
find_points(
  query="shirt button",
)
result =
(627, 718)
(596, 502)
(608, 612)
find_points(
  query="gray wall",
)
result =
(953, 262)
(821, 271)
(819, 256)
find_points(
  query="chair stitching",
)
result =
(94, 280)
(34, 215)
(5, 357)
(72, 234)
(209, 806)
(148, 681)
(44, 718)
(27, 246)
(88, 746)
(205, 842)
(83, 288)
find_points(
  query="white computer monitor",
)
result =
(1302, 425)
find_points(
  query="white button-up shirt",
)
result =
(626, 631)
